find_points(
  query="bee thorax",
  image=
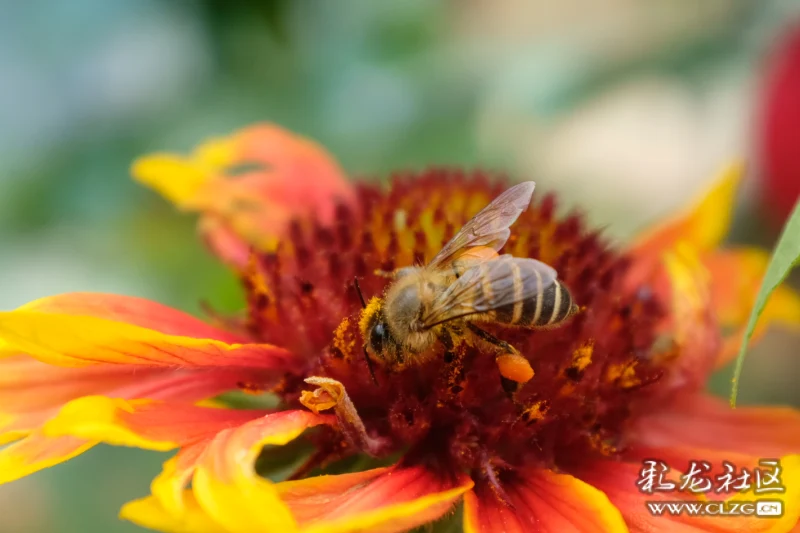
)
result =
(419, 341)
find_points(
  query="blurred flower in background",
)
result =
(779, 129)
(622, 107)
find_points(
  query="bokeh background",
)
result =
(627, 108)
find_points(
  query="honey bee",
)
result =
(467, 283)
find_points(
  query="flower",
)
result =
(249, 186)
(620, 383)
(779, 127)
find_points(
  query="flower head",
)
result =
(618, 383)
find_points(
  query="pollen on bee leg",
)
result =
(331, 394)
(514, 367)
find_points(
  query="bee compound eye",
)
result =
(378, 336)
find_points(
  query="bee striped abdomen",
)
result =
(548, 306)
(556, 306)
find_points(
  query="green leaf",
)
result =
(785, 257)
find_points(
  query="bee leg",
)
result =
(491, 339)
(454, 369)
(446, 338)
(510, 387)
(514, 369)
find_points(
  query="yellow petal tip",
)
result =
(99, 418)
(175, 178)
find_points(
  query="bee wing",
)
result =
(490, 285)
(490, 226)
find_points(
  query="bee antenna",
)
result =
(361, 297)
(369, 367)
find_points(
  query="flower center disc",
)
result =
(586, 372)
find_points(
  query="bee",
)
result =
(468, 282)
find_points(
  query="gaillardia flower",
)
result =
(619, 384)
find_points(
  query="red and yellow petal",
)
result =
(32, 393)
(225, 482)
(37, 451)
(702, 226)
(72, 340)
(700, 427)
(180, 179)
(143, 423)
(150, 513)
(303, 174)
(704, 421)
(737, 275)
(541, 500)
(17, 425)
(231, 494)
(169, 486)
(383, 500)
(690, 323)
(28, 385)
(255, 181)
(224, 243)
(131, 310)
(617, 479)
(151, 425)
(734, 275)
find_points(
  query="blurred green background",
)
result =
(627, 108)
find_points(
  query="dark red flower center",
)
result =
(453, 408)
